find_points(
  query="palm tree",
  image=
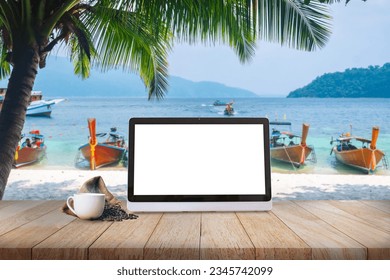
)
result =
(136, 35)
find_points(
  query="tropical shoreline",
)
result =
(66, 131)
(59, 184)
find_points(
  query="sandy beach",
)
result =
(59, 184)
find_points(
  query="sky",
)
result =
(360, 37)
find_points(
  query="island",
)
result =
(370, 82)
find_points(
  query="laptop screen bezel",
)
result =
(198, 198)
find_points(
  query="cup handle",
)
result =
(70, 207)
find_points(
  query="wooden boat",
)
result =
(366, 158)
(109, 151)
(37, 106)
(285, 147)
(31, 150)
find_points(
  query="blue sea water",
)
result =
(67, 128)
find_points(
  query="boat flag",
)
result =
(305, 131)
(17, 153)
(374, 138)
(92, 141)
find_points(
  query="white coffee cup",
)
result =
(87, 205)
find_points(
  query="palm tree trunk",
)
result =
(13, 114)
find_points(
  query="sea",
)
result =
(66, 130)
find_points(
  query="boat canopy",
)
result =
(34, 136)
(117, 135)
(289, 134)
(280, 123)
(349, 138)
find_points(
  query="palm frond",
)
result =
(123, 39)
(219, 21)
(5, 68)
(293, 23)
(81, 62)
(155, 72)
(9, 14)
(51, 22)
(82, 49)
(77, 27)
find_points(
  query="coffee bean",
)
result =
(114, 212)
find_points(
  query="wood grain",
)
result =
(272, 239)
(383, 205)
(223, 237)
(177, 236)
(292, 230)
(17, 243)
(71, 242)
(377, 241)
(377, 218)
(125, 240)
(22, 212)
(16, 207)
(326, 241)
(5, 203)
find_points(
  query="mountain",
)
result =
(180, 87)
(370, 82)
(57, 80)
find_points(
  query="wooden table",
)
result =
(292, 230)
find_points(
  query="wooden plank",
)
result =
(5, 203)
(326, 241)
(223, 237)
(125, 240)
(272, 239)
(175, 237)
(71, 242)
(17, 244)
(16, 207)
(377, 241)
(369, 214)
(383, 205)
(332, 229)
(22, 212)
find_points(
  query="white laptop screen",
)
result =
(193, 159)
(204, 159)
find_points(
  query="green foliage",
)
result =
(293, 23)
(137, 35)
(5, 68)
(370, 82)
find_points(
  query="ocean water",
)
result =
(67, 128)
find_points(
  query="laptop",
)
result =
(199, 164)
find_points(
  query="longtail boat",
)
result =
(102, 153)
(365, 158)
(286, 147)
(31, 150)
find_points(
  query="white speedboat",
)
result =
(37, 106)
(42, 107)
